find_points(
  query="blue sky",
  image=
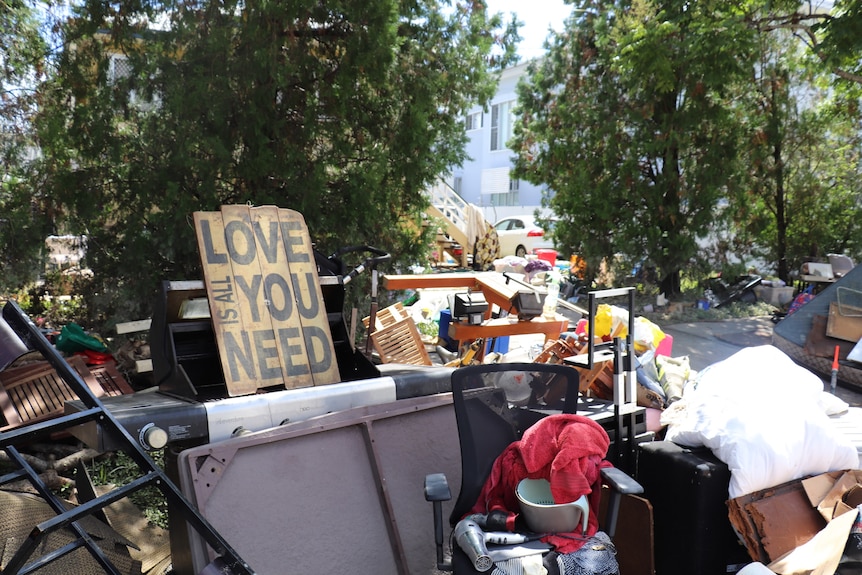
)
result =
(538, 16)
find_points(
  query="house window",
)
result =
(119, 68)
(499, 188)
(501, 124)
(506, 199)
(474, 121)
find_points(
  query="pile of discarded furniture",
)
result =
(286, 445)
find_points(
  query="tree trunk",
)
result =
(670, 284)
(780, 214)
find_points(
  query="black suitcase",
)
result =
(688, 489)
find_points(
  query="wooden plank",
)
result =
(551, 328)
(144, 366)
(309, 298)
(81, 367)
(492, 285)
(265, 299)
(258, 337)
(467, 280)
(221, 290)
(280, 299)
(133, 326)
(10, 414)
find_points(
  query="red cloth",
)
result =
(568, 451)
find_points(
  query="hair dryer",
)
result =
(471, 539)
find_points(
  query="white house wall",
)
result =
(485, 169)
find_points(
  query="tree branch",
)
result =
(800, 26)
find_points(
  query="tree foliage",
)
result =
(23, 63)
(629, 119)
(343, 110)
(832, 32)
(661, 125)
(803, 160)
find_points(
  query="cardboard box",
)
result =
(846, 325)
(774, 521)
(844, 494)
(800, 526)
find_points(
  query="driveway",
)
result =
(707, 342)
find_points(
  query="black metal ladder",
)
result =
(151, 474)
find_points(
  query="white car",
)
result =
(519, 236)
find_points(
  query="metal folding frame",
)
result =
(152, 475)
(622, 352)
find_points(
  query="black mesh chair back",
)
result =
(494, 405)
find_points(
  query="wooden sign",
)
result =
(265, 299)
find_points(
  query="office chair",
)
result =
(494, 405)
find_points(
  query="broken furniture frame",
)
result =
(622, 353)
(69, 518)
(500, 290)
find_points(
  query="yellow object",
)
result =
(611, 321)
(603, 321)
(647, 335)
(468, 355)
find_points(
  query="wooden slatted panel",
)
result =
(387, 316)
(309, 298)
(400, 342)
(109, 380)
(36, 392)
(279, 297)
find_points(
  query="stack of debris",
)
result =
(771, 423)
(824, 322)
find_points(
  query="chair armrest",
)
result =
(620, 484)
(620, 481)
(437, 491)
(437, 487)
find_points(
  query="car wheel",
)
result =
(521, 251)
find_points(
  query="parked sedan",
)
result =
(520, 235)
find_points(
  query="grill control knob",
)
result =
(153, 437)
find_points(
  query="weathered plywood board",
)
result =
(309, 297)
(280, 299)
(265, 299)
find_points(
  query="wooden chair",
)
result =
(35, 392)
(396, 337)
(387, 316)
(400, 342)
